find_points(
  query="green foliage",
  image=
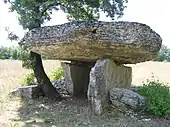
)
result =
(29, 79)
(16, 53)
(11, 53)
(164, 54)
(158, 98)
(33, 13)
(4, 53)
(57, 74)
(89, 9)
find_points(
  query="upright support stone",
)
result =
(67, 78)
(76, 75)
(104, 76)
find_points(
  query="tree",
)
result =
(34, 13)
(164, 54)
(11, 35)
(4, 53)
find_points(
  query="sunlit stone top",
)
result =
(124, 42)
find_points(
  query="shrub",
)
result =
(157, 98)
(57, 74)
(29, 79)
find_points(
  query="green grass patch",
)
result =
(57, 74)
(29, 79)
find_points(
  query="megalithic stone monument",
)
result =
(97, 51)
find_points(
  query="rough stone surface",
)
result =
(125, 99)
(76, 76)
(67, 78)
(104, 76)
(30, 92)
(124, 42)
(33, 91)
(135, 88)
(60, 86)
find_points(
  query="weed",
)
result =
(158, 98)
(57, 74)
(29, 79)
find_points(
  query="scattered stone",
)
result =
(43, 106)
(106, 74)
(36, 113)
(135, 88)
(48, 120)
(146, 119)
(60, 86)
(126, 99)
(30, 121)
(124, 42)
(30, 91)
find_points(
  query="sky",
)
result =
(154, 13)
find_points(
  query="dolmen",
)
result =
(97, 53)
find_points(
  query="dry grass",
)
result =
(11, 74)
(146, 70)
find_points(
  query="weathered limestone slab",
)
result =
(104, 76)
(76, 76)
(32, 91)
(67, 78)
(125, 99)
(123, 42)
(29, 92)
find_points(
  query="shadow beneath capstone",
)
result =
(77, 77)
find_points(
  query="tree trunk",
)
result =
(42, 79)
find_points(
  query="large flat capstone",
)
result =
(123, 42)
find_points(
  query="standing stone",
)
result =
(106, 74)
(67, 78)
(76, 76)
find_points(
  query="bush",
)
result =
(29, 79)
(164, 54)
(57, 74)
(158, 98)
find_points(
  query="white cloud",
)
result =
(151, 12)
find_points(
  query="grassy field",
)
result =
(16, 112)
(11, 76)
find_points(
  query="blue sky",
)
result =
(154, 13)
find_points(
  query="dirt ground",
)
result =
(71, 112)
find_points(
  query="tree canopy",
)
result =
(33, 12)
(164, 54)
